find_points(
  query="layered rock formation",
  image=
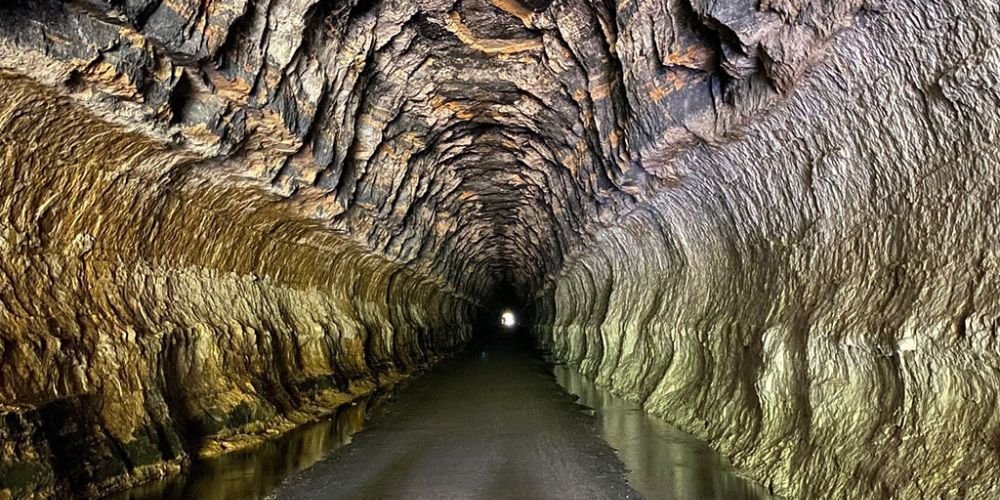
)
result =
(149, 314)
(819, 298)
(771, 221)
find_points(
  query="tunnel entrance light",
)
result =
(508, 319)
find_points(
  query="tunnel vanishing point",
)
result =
(774, 223)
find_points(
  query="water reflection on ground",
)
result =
(663, 461)
(254, 472)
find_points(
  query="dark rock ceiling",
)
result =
(474, 139)
(773, 222)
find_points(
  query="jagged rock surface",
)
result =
(819, 298)
(772, 221)
(147, 315)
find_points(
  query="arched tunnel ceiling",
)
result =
(773, 222)
(473, 139)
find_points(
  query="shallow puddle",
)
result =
(255, 472)
(663, 461)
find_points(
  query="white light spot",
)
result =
(508, 319)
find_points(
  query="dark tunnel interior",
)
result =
(771, 225)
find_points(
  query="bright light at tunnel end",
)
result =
(508, 319)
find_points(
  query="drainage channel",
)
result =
(663, 462)
(256, 471)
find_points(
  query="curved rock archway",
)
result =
(773, 223)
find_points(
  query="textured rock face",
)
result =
(771, 221)
(819, 298)
(470, 139)
(148, 314)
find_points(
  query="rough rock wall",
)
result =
(558, 146)
(471, 139)
(819, 299)
(148, 314)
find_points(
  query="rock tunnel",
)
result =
(772, 223)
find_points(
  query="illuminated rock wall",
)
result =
(148, 314)
(819, 299)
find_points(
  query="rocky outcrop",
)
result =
(771, 221)
(818, 299)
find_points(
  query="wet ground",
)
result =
(255, 472)
(491, 423)
(663, 462)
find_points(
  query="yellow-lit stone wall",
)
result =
(148, 314)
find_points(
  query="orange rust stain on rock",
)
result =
(614, 138)
(516, 9)
(133, 36)
(490, 46)
(694, 57)
(109, 80)
(600, 91)
(235, 90)
(271, 128)
(458, 109)
(57, 39)
(516, 180)
(304, 164)
(200, 133)
(670, 83)
(215, 34)
(571, 163)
